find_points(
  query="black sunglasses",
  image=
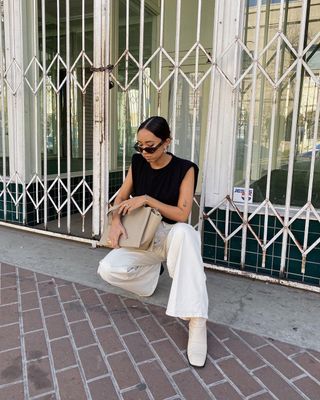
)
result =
(149, 150)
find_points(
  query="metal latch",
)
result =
(107, 68)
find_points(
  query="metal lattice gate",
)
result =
(232, 77)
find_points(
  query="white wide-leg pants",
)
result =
(138, 271)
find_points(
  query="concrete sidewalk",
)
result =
(282, 313)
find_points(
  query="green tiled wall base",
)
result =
(15, 215)
(213, 249)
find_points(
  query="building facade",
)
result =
(238, 81)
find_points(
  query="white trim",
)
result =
(99, 6)
(221, 134)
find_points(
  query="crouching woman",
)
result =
(163, 181)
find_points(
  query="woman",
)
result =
(163, 181)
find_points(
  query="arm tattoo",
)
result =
(184, 203)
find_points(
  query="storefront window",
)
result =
(4, 139)
(126, 91)
(276, 110)
(80, 106)
(184, 102)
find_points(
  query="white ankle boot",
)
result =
(197, 343)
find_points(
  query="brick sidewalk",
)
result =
(62, 340)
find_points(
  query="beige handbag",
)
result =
(140, 224)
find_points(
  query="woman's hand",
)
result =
(129, 205)
(116, 230)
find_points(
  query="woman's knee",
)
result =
(105, 269)
(182, 230)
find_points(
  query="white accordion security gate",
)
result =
(234, 78)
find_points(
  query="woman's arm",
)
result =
(124, 192)
(117, 229)
(179, 213)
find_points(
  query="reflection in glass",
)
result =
(274, 68)
(81, 104)
(158, 70)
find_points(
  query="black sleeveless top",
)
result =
(162, 184)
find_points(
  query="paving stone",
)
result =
(136, 308)
(92, 362)
(280, 362)
(178, 334)
(8, 296)
(29, 301)
(277, 385)
(112, 302)
(80, 287)
(71, 385)
(43, 277)
(244, 353)
(14, 392)
(263, 396)
(160, 314)
(10, 366)
(136, 394)
(35, 345)
(28, 284)
(62, 353)
(32, 320)
(123, 370)
(253, 340)
(138, 347)
(56, 326)
(49, 396)
(47, 289)
(9, 314)
(209, 373)
(221, 331)
(102, 389)
(190, 387)
(315, 354)
(67, 293)
(215, 349)
(50, 305)
(123, 322)
(309, 387)
(8, 281)
(171, 358)
(109, 340)
(9, 337)
(89, 297)
(23, 273)
(74, 311)
(239, 376)
(286, 348)
(151, 328)
(224, 391)
(82, 333)
(156, 380)
(7, 269)
(98, 316)
(309, 363)
(39, 377)
(61, 282)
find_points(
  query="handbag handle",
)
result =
(114, 208)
